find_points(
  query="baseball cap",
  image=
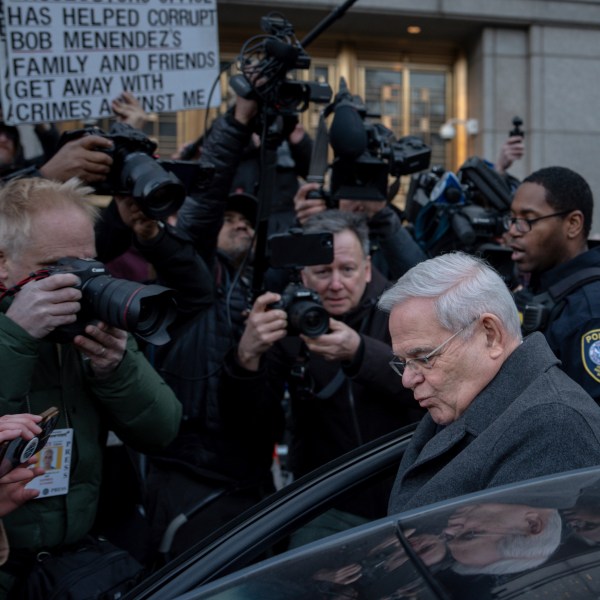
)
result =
(244, 203)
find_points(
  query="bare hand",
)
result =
(341, 343)
(245, 110)
(80, 158)
(263, 328)
(297, 134)
(306, 207)
(23, 425)
(512, 149)
(12, 487)
(131, 214)
(104, 346)
(128, 110)
(42, 306)
(367, 207)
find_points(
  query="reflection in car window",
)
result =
(538, 543)
(370, 564)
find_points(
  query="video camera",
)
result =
(264, 63)
(158, 186)
(365, 153)
(144, 310)
(461, 211)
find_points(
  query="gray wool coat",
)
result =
(530, 420)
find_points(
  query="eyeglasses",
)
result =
(423, 362)
(524, 225)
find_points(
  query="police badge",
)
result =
(590, 353)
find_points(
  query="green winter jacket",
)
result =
(134, 402)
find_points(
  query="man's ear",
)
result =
(3, 267)
(302, 275)
(574, 223)
(534, 523)
(495, 335)
(368, 269)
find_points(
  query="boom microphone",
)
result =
(286, 54)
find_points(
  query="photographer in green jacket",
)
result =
(99, 380)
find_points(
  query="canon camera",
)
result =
(158, 186)
(144, 310)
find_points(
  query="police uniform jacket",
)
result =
(574, 333)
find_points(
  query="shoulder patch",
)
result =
(590, 353)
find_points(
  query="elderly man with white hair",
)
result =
(499, 408)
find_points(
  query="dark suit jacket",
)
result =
(531, 420)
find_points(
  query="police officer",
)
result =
(548, 229)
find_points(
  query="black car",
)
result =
(535, 539)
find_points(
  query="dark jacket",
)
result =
(530, 420)
(173, 257)
(573, 332)
(393, 249)
(191, 364)
(368, 402)
(201, 216)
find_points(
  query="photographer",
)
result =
(341, 391)
(168, 257)
(85, 158)
(82, 158)
(211, 458)
(393, 249)
(99, 381)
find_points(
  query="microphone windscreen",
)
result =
(285, 53)
(347, 134)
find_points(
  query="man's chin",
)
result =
(336, 309)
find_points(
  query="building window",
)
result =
(410, 101)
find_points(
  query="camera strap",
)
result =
(15, 289)
(299, 371)
(537, 311)
(333, 386)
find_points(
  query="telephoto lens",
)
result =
(144, 310)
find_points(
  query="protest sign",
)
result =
(67, 59)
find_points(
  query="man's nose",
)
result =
(336, 280)
(512, 231)
(411, 377)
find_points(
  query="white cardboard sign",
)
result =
(67, 59)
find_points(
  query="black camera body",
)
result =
(517, 130)
(266, 60)
(304, 310)
(158, 186)
(303, 306)
(144, 310)
(367, 154)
